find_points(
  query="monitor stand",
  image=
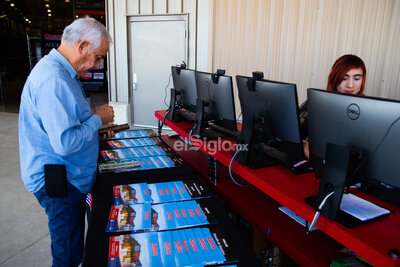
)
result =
(200, 129)
(334, 176)
(338, 164)
(198, 123)
(253, 156)
(173, 107)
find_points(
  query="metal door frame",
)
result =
(156, 17)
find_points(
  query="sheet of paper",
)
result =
(361, 208)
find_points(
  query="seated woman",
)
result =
(348, 75)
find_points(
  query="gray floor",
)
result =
(24, 236)
(25, 239)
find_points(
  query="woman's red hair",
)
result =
(343, 65)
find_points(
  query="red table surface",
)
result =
(372, 241)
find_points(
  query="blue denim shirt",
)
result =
(56, 125)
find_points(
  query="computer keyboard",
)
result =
(296, 165)
(280, 156)
(188, 115)
(235, 134)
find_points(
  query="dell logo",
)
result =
(353, 111)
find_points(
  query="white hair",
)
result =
(85, 29)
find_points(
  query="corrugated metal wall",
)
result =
(289, 40)
(298, 40)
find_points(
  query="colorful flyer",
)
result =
(141, 249)
(134, 134)
(129, 218)
(132, 194)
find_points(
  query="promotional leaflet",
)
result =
(156, 217)
(134, 134)
(138, 164)
(159, 192)
(135, 152)
(135, 142)
(134, 250)
(131, 194)
(129, 218)
(186, 247)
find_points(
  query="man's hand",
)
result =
(109, 134)
(106, 114)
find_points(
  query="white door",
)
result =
(156, 44)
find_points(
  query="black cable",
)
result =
(376, 148)
(165, 90)
(238, 117)
(165, 116)
(208, 89)
(191, 131)
(231, 166)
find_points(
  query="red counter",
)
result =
(276, 186)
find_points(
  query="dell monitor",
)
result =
(215, 114)
(183, 95)
(368, 128)
(270, 122)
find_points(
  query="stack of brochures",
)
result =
(134, 134)
(135, 152)
(158, 206)
(186, 247)
(170, 224)
(140, 151)
(135, 142)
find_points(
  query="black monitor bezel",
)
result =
(294, 149)
(212, 108)
(185, 99)
(360, 172)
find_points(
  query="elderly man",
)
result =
(58, 135)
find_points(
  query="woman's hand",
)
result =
(306, 149)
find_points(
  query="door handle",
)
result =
(134, 82)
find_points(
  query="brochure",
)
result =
(156, 217)
(208, 246)
(141, 249)
(122, 165)
(134, 134)
(196, 189)
(161, 192)
(166, 248)
(134, 142)
(185, 247)
(134, 152)
(164, 218)
(181, 254)
(129, 218)
(131, 194)
(144, 163)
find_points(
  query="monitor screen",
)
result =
(367, 126)
(185, 85)
(218, 93)
(274, 108)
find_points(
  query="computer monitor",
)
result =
(369, 128)
(184, 93)
(270, 117)
(215, 103)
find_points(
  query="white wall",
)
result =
(117, 13)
